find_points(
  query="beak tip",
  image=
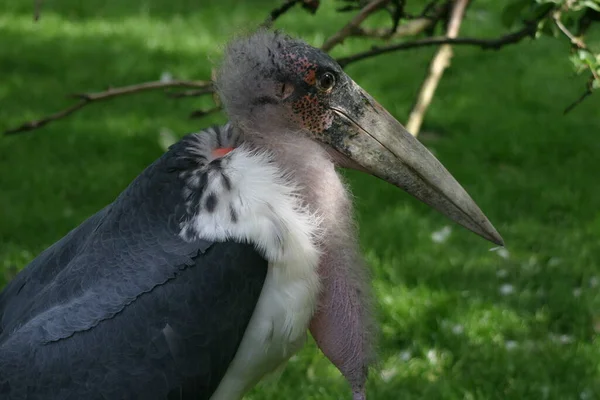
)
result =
(490, 233)
(497, 239)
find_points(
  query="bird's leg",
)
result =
(342, 326)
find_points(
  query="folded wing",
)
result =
(124, 307)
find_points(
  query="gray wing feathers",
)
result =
(123, 307)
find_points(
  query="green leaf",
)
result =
(593, 4)
(537, 11)
(549, 29)
(511, 12)
(586, 56)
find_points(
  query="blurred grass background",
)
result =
(458, 321)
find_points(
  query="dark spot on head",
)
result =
(211, 202)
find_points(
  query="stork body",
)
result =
(210, 268)
(281, 201)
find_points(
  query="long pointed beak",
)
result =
(366, 133)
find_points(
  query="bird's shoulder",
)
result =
(124, 250)
(127, 294)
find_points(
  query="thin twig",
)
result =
(397, 13)
(428, 7)
(37, 10)
(31, 125)
(140, 87)
(410, 28)
(192, 92)
(574, 40)
(511, 38)
(278, 12)
(438, 64)
(579, 43)
(413, 27)
(358, 19)
(588, 91)
(87, 98)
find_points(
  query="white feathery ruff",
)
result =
(270, 214)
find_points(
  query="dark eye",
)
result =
(326, 81)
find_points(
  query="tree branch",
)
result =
(278, 12)
(192, 92)
(428, 7)
(199, 87)
(580, 44)
(31, 125)
(410, 28)
(574, 40)
(581, 98)
(495, 44)
(426, 20)
(417, 24)
(358, 19)
(87, 98)
(438, 64)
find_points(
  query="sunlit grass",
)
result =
(457, 321)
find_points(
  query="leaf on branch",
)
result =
(593, 4)
(512, 11)
(540, 11)
(548, 28)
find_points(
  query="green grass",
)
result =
(457, 320)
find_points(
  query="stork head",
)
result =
(270, 83)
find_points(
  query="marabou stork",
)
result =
(208, 270)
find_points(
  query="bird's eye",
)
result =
(326, 81)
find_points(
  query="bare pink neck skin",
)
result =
(342, 325)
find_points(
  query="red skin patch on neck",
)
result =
(220, 152)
